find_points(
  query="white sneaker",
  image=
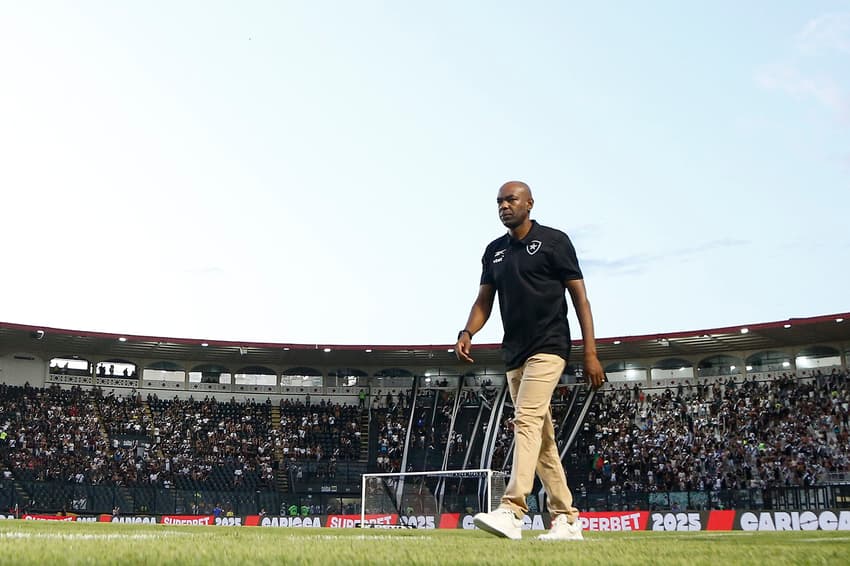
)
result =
(502, 522)
(563, 530)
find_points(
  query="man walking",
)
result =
(529, 268)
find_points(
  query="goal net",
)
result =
(416, 499)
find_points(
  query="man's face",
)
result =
(514, 205)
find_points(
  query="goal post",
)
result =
(428, 493)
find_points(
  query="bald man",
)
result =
(529, 268)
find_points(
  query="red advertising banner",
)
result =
(352, 521)
(590, 521)
(31, 517)
(188, 520)
(722, 520)
(132, 519)
(418, 521)
(823, 520)
(285, 522)
(613, 520)
(678, 521)
(449, 520)
(535, 522)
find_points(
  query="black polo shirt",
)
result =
(529, 277)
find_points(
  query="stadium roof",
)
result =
(48, 341)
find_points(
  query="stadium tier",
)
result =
(702, 420)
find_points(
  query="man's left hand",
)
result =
(593, 371)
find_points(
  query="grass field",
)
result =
(80, 543)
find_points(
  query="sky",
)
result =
(326, 172)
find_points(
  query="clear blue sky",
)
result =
(327, 171)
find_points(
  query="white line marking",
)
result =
(79, 536)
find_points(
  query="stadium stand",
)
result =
(781, 432)
(715, 436)
(89, 441)
(83, 437)
(321, 445)
(214, 445)
(709, 436)
(54, 435)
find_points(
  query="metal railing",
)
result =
(53, 497)
(777, 498)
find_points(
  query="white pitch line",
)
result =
(79, 536)
(655, 535)
(370, 538)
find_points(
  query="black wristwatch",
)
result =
(459, 334)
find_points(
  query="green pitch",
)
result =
(69, 543)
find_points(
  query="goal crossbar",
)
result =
(393, 490)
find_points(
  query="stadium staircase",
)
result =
(101, 428)
(281, 477)
(370, 443)
(104, 434)
(146, 406)
(365, 441)
(124, 500)
(22, 496)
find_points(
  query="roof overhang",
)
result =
(51, 342)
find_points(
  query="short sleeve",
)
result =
(566, 266)
(487, 268)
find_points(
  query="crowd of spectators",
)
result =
(88, 437)
(392, 401)
(127, 426)
(320, 443)
(228, 444)
(391, 425)
(702, 436)
(504, 436)
(708, 435)
(52, 434)
(504, 440)
(123, 416)
(433, 435)
(780, 432)
(430, 426)
(430, 435)
(321, 432)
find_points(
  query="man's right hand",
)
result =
(463, 348)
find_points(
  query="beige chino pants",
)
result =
(531, 388)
